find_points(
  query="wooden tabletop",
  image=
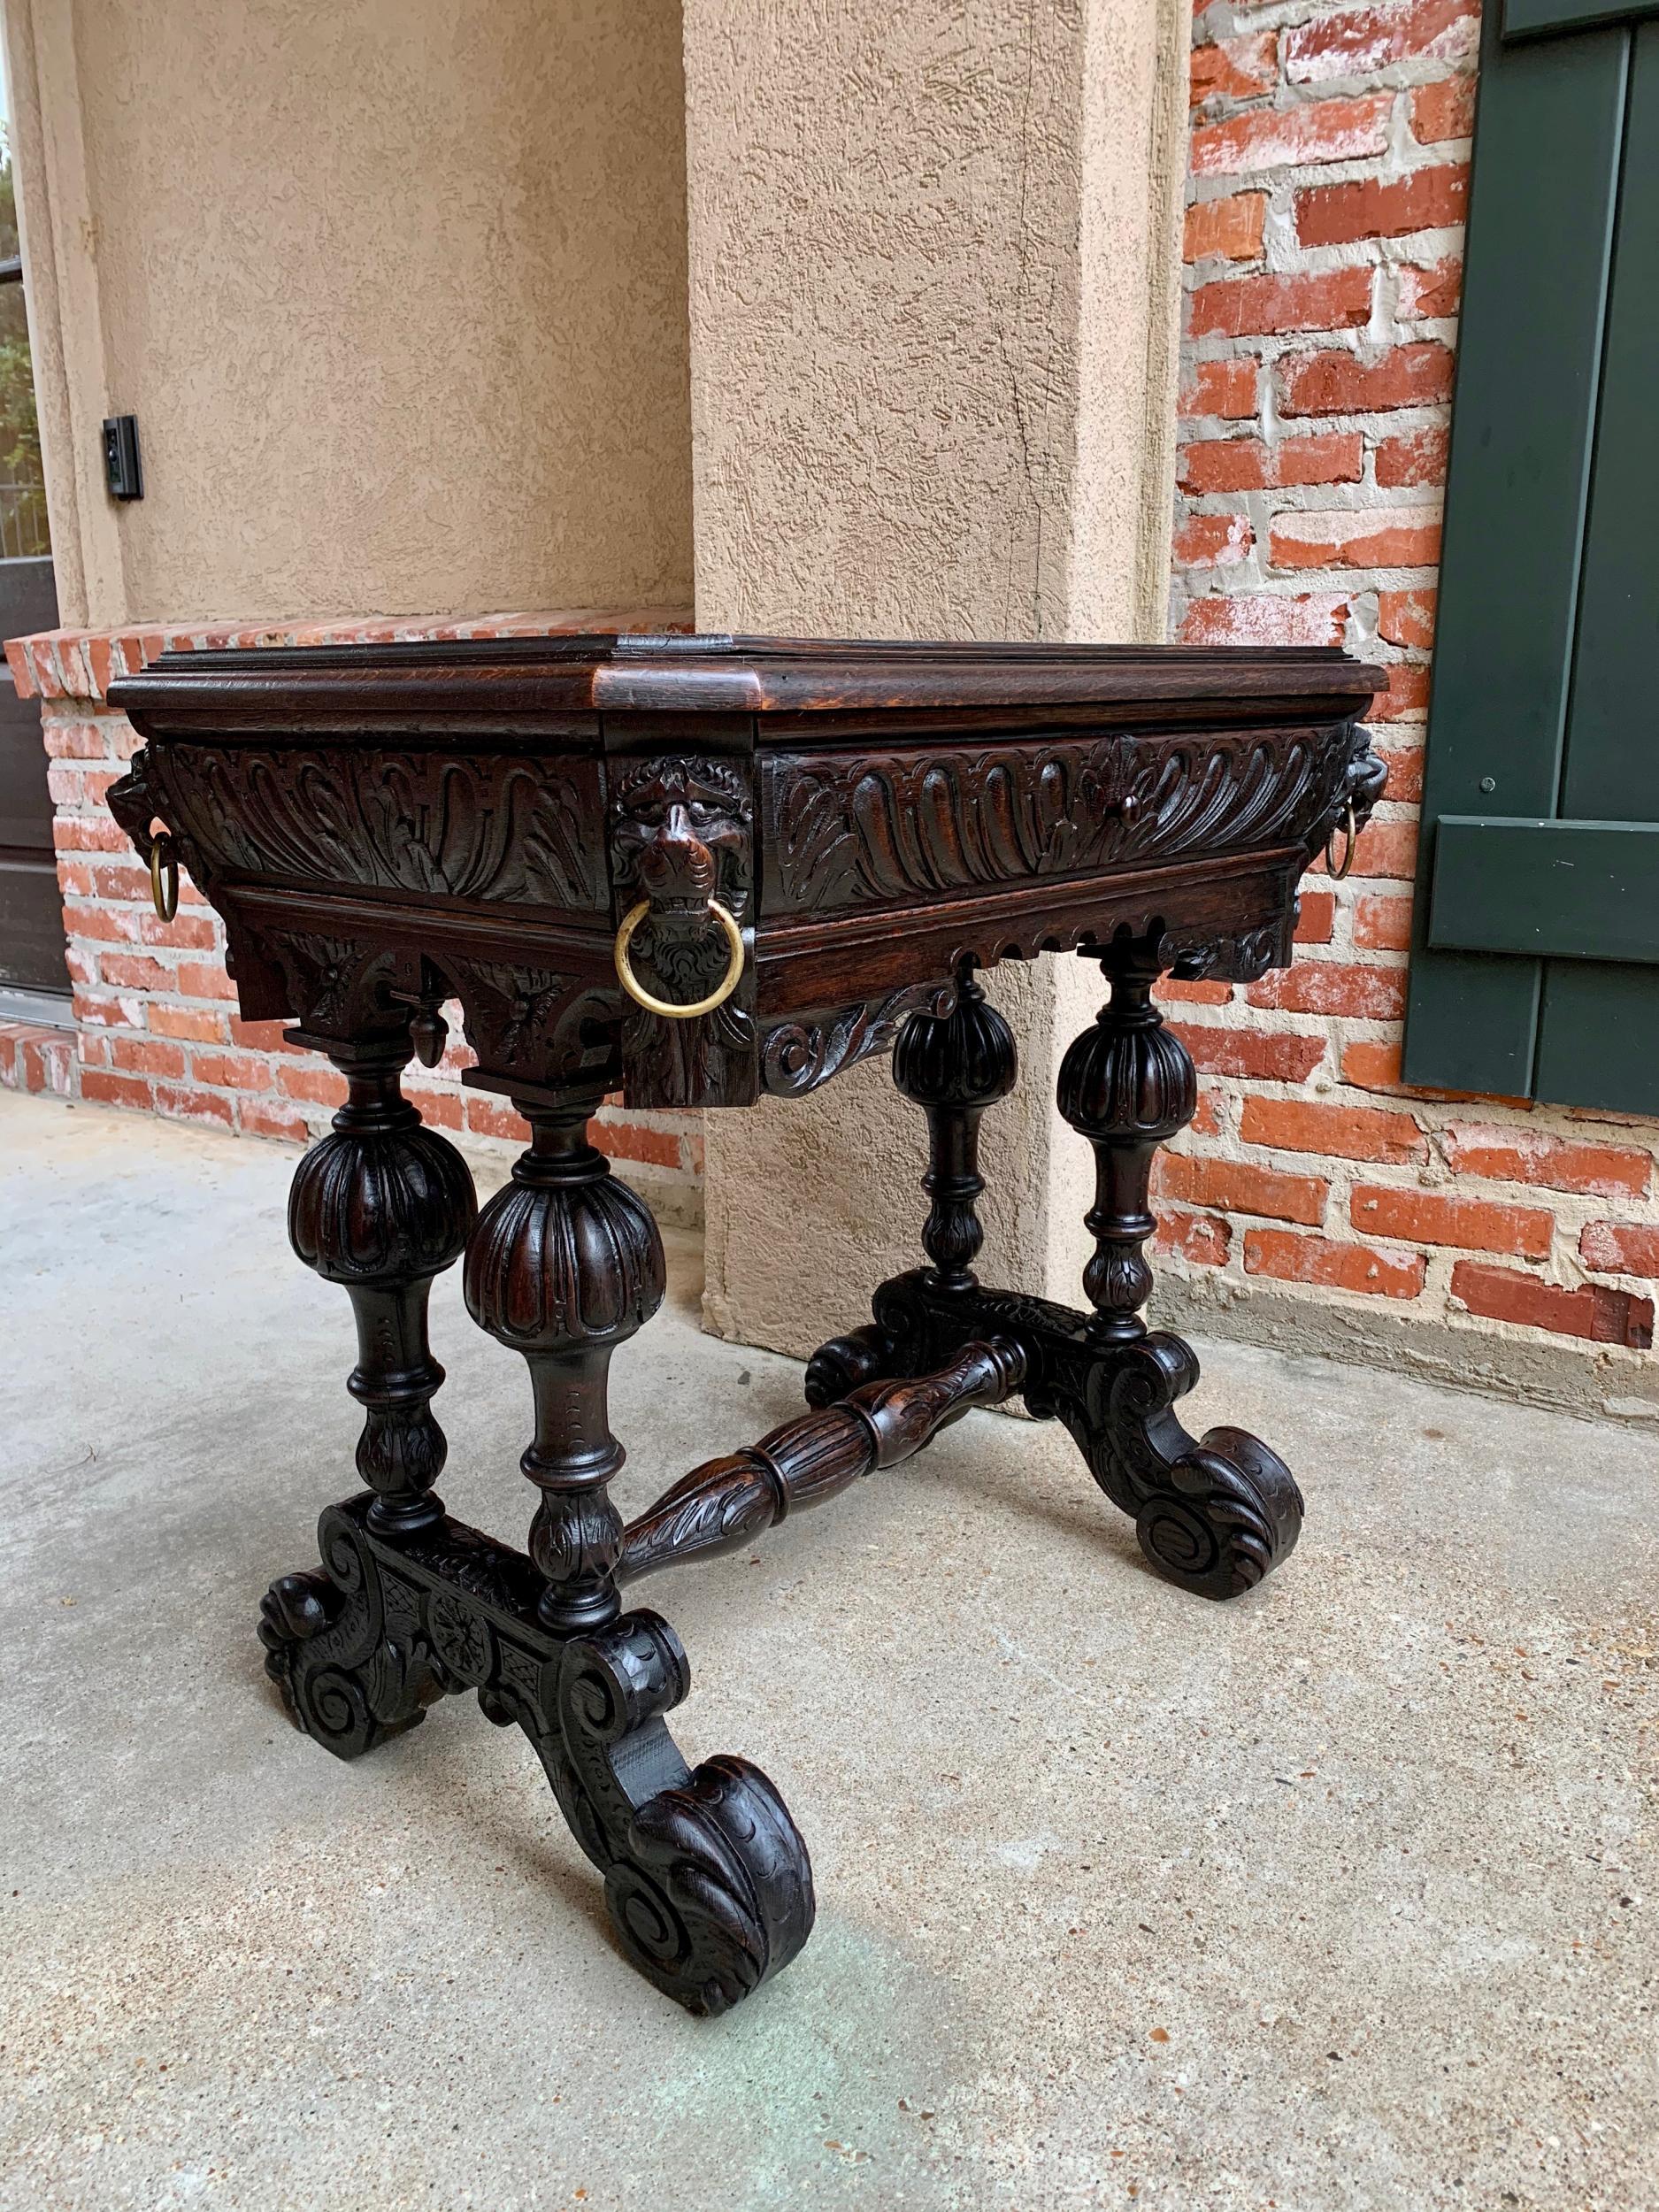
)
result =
(527, 679)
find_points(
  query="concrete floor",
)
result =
(1340, 1896)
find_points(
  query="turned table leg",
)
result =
(1216, 1514)
(565, 1265)
(954, 1066)
(382, 1205)
(707, 1881)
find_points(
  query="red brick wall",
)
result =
(157, 1026)
(1329, 170)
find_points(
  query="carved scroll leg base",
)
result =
(1215, 1513)
(344, 1680)
(707, 1881)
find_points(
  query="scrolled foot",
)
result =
(1215, 1513)
(294, 1609)
(343, 1680)
(901, 1340)
(846, 1363)
(716, 1894)
(706, 1879)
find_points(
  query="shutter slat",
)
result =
(1563, 890)
(1541, 214)
(1529, 19)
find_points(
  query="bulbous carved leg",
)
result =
(565, 1265)
(707, 1881)
(953, 1066)
(382, 1205)
(1216, 1514)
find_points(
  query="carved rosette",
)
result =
(565, 1265)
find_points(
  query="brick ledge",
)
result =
(83, 663)
(38, 1057)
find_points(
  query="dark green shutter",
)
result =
(1535, 964)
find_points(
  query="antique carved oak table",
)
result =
(697, 870)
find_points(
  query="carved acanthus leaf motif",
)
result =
(852, 832)
(473, 826)
(797, 1055)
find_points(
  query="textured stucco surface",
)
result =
(934, 278)
(1339, 1897)
(396, 291)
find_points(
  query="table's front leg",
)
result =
(706, 1879)
(565, 1265)
(382, 1205)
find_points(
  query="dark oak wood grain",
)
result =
(825, 842)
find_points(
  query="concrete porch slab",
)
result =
(1340, 1896)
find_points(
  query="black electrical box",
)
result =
(120, 457)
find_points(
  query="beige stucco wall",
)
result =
(395, 288)
(933, 277)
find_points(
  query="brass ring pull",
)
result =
(1350, 835)
(163, 876)
(641, 996)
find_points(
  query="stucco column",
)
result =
(934, 262)
(395, 290)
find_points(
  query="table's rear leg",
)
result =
(1218, 1513)
(953, 1066)
(380, 1205)
(706, 1877)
